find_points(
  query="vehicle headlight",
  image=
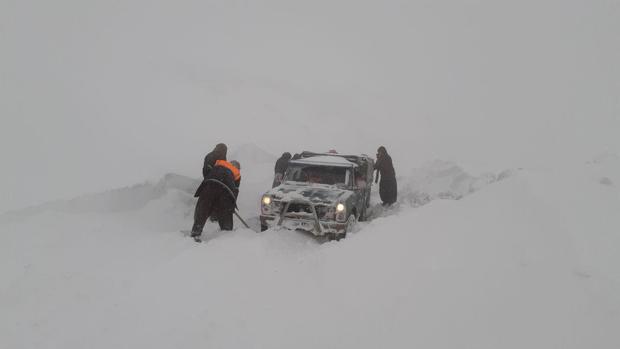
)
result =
(266, 207)
(341, 212)
(266, 200)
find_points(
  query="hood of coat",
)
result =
(220, 151)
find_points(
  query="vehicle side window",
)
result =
(302, 176)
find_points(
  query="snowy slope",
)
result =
(530, 261)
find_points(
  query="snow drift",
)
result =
(529, 261)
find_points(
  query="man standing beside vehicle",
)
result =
(388, 190)
(280, 169)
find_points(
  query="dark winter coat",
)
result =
(280, 168)
(388, 188)
(219, 153)
(218, 197)
(282, 163)
(385, 168)
(222, 174)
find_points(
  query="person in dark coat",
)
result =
(280, 169)
(218, 197)
(388, 189)
(218, 153)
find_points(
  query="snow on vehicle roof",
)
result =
(332, 160)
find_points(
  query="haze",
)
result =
(100, 94)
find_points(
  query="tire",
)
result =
(351, 223)
(362, 217)
(334, 237)
(263, 227)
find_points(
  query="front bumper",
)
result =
(303, 224)
(310, 223)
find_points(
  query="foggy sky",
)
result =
(99, 94)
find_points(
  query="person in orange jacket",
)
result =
(217, 197)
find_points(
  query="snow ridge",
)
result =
(443, 180)
(117, 200)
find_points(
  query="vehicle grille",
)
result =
(321, 211)
(299, 208)
(305, 210)
(277, 206)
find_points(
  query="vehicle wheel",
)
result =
(364, 211)
(330, 237)
(362, 217)
(334, 237)
(351, 223)
(263, 227)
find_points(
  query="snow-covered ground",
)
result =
(512, 243)
(524, 258)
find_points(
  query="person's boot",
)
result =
(196, 232)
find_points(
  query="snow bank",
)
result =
(443, 180)
(118, 200)
(164, 205)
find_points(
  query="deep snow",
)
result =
(528, 260)
(101, 94)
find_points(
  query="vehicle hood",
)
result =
(315, 193)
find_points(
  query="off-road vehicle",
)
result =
(322, 193)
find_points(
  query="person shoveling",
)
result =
(217, 194)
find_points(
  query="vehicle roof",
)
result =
(356, 159)
(326, 160)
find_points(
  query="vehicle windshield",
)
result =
(330, 175)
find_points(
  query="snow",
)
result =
(512, 243)
(529, 261)
(444, 180)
